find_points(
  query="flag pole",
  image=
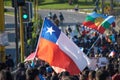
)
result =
(96, 39)
(93, 45)
(39, 37)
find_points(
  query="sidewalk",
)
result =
(84, 11)
(8, 9)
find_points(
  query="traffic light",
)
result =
(29, 30)
(27, 12)
(20, 2)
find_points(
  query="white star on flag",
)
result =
(50, 30)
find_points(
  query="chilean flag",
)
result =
(59, 51)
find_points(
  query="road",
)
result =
(10, 29)
(71, 18)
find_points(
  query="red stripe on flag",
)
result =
(101, 29)
(93, 26)
(88, 23)
(52, 54)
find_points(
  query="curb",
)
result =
(79, 11)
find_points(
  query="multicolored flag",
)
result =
(99, 22)
(59, 51)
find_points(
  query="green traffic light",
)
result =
(25, 16)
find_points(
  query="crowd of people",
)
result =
(58, 20)
(40, 70)
(95, 45)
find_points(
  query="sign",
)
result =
(4, 39)
(93, 65)
(102, 61)
(107, 9)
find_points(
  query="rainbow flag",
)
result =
(98, 22)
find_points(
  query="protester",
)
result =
(5, 75)
(50, 15)
(54, 77)
(9, 62)
(3, 66)
(19, 73)
(91, 75)
(102, 75)
(76, 7)
(61, 17)
(54, 17)
(42, 72)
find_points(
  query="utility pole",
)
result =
(35, 10)
(2, 28)
(16, 30)
(20, 4)
(21, 35)
(103, 6)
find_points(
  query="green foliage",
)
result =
(7, 3)
(75, 1)
(35, 33)
(29, 41)
(63, 1)
(40, 1)
(40, 22)
(93, 1)
(60, 1)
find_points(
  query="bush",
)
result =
(75, 1)
(40, 1)
(61, 1)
